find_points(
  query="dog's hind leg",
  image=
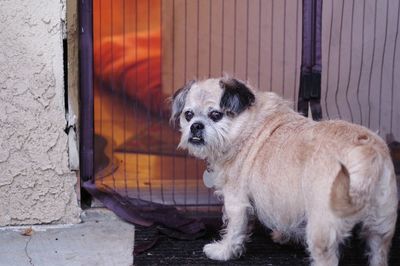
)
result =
(378, 247)
(236, 217)
(379, 226)
(323, 239)
(378, 232)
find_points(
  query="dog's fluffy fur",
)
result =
(307, 181)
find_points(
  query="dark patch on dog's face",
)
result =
(178, 102)
(236, 98)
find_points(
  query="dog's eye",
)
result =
(215, 116)
(188, 115)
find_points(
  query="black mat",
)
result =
(260, 251)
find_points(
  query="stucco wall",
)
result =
(36, 184)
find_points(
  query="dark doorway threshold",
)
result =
(259, 251)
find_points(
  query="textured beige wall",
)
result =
(36, 185)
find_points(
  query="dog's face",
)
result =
(208, 114)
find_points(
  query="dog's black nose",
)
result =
(195, 127)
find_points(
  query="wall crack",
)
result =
(26, 251)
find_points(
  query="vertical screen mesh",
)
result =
(361, 63)
(145, 50)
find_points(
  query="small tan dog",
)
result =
(307, 181)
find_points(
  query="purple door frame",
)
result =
(86, 89)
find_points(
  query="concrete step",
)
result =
(101, 239)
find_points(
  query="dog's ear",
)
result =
(236, 98)
(178, 102)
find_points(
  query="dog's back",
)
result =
(344, 174)
(332, 174)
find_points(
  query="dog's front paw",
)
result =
(222, 251)
(217, 251)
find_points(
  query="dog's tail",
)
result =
(358, 176)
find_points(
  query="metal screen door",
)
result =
(144, 50)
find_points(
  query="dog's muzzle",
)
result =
(196, 136)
